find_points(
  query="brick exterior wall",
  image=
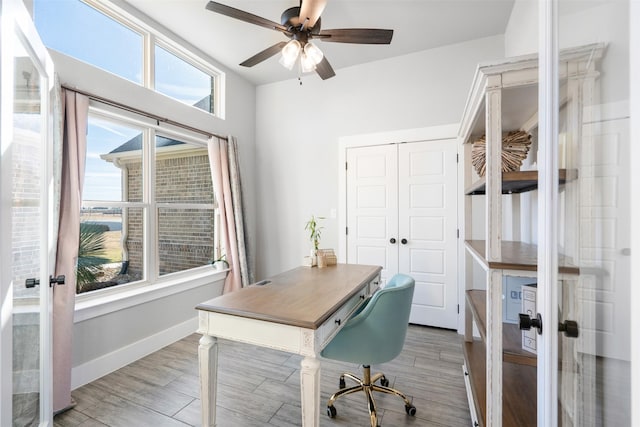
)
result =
(185, 235)
(25, 209)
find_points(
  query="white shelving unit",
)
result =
(504, 97)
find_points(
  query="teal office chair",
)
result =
(374, 335)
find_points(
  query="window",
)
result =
(76, 29)
(148, 209)
(180, 80)
(97, 33)
(184, 206)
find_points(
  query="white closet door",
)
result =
(427, 174)
(372, 207)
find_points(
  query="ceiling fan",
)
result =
(302, 24)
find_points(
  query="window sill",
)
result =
(101, 303)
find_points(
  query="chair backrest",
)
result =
(376, 333)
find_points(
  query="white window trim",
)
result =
(82, 76)
(104, 301)
(152, 34)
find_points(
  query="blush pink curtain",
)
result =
(226, 187)
(75, 109)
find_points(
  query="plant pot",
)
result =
(220, 265)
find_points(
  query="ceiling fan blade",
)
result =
(324, 69)
(265, 54)
(356, 35)
(232, 12)
(311, 9)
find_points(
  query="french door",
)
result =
(584, 365)
(26, 247)
(402, 215)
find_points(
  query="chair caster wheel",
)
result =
(411, 410)
(384, 382)
(342, 383)
(331, 411)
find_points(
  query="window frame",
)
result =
(152, 37)
(153, 280)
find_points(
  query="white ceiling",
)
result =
(417, 25)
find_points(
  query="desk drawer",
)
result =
(330, 327)
(374, 285)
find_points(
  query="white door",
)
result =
(372, 208)
(402, 215)
(26, 246)
(428, 229)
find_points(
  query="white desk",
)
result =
(298, 311)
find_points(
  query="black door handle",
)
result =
(570, 328)
(403, 241)
(392, 240)
(56, 280)
(33, 282)
(526, 322)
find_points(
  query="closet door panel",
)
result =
(427, 178)
(372, 207)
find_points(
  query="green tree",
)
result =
(91, 254)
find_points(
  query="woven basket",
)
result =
(515, 147)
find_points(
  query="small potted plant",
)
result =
(220, 263)
(314, 230)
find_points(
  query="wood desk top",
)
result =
(304, 297)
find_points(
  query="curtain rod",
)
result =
(142, 113)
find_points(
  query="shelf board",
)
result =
(516, 256)
(519, 388)
(519, 181)
(511, 335)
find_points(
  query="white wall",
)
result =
(105, 343)
(581, 23)
(521, 34)
(297, 131)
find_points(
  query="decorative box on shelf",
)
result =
(329, 256)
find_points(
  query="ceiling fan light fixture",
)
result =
(313, 52)
(290, 53)
(307, 64)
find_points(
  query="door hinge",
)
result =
(458, 308)
(346, 230)
(346, 166)
(458, 233)
(457, 158)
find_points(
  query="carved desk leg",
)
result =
(208, 359)
(310, 390)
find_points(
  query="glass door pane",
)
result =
(26, 248)
(27, 160)
(594, 217)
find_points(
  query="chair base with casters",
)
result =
(374, 334)
(367, 384)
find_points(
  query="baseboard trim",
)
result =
(103, 365)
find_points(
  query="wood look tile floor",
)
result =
(260, 388)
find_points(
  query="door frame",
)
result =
(432, 133)
(547, 298)
(634, 99)
(16, 18)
